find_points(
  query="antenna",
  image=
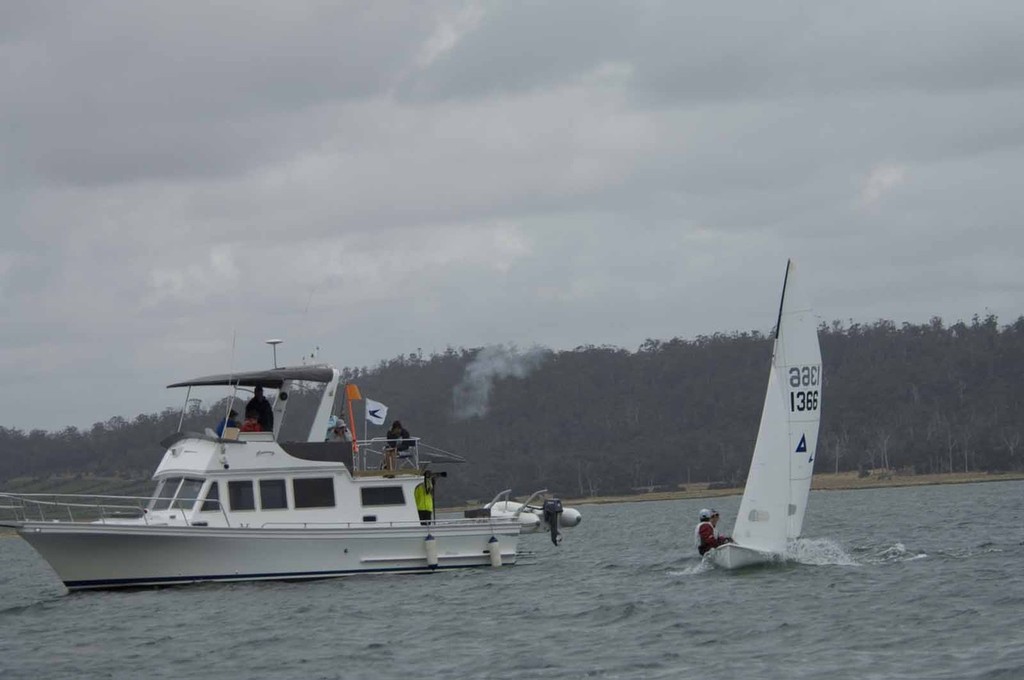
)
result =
(274, 342)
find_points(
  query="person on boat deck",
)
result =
(252, 422)
(337, 430)
(398, 440)
(264, 411)
(230, 421)
(706, 535)
(424, 495)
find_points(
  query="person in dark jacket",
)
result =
(706, 535)
(398, 440)
(264, 411)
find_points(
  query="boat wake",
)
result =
(896, 553)
(698, 567)
(825, 551)
(818, 552)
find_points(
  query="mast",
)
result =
(782, 299)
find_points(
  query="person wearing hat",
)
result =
(230, 421)
(706, 535)
(337, 430)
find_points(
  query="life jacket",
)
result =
(696, 533)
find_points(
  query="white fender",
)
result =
(430, 544)
(494, 548)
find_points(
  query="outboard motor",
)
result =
(552, 514)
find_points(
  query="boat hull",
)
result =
(736, 556)
(111, 556)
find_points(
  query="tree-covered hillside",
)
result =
(928, 398)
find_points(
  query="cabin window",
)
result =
(314, 493)
(272, 494)
(241, 496)
(212, 502)
(383, 495)
(165, 491)
(188, 494)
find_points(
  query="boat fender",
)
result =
(494, 548)
(552, 514)
(430, 544)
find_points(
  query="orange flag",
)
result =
(352, 394)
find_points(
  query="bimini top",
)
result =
(274, 377)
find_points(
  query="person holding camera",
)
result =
(424, 495)
(337, 430)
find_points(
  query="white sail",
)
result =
(775, 497)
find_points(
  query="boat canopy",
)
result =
(274, 377)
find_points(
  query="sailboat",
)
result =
(775, 497)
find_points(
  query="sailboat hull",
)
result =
(736, 556)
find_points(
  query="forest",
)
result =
(593, 420)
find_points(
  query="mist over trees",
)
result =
(600, 420)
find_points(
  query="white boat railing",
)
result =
(93, 509)
(371, 454)
(87, 508)
(506, 496)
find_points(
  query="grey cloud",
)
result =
(524, 46)
(557, 173)
(687, 52)
(104, 93)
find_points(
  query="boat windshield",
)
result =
(188, 494)
(165, 490)
(179, 493)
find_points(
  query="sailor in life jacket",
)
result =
(706, 536)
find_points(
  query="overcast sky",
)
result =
(376, 178)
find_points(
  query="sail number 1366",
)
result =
(805, 381)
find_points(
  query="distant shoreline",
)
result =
(844, 481)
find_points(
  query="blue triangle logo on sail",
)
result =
(802, 447)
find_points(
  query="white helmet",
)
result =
(705, 514)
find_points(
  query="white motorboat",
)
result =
(548, 517)
(775, 496)
(246, 506)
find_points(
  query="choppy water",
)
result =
(892, 583)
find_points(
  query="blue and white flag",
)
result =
(376, 412)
